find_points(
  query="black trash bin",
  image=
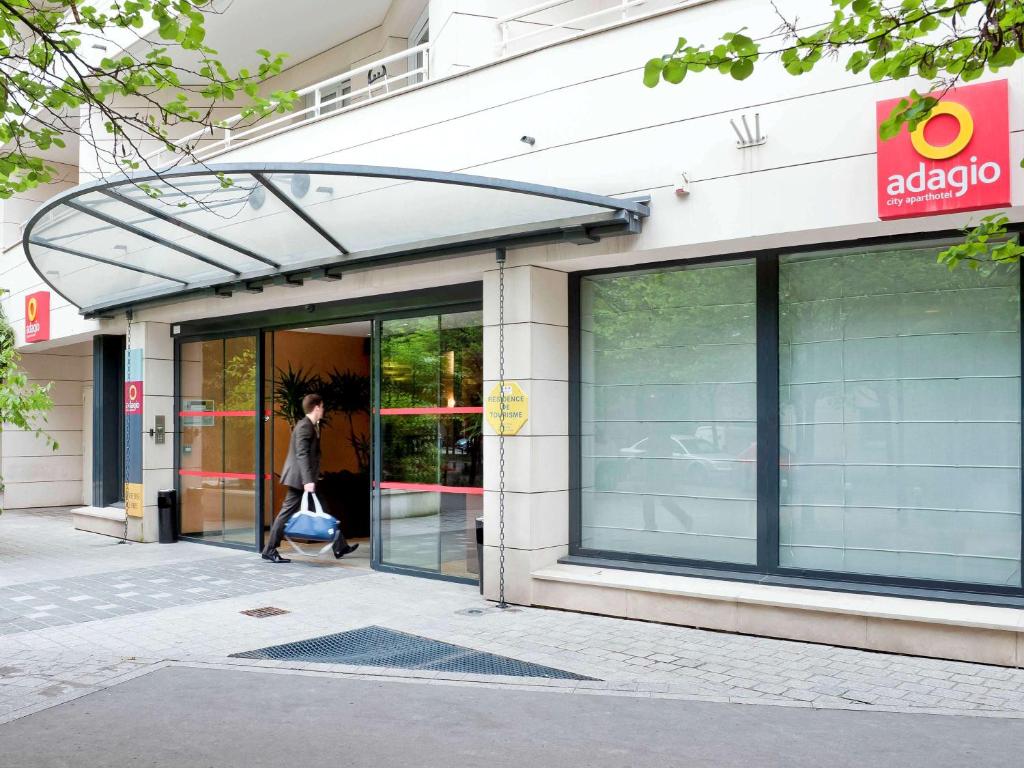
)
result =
(480, 551)
(167, 508)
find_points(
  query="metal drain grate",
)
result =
(262, 613)
(380, 647)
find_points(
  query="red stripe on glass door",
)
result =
(223, 475)
(220, 413)
(466, 490)
(457, 411)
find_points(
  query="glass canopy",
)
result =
(222, 228)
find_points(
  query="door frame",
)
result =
(462, 297)
(376, 445)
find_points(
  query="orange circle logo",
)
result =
(133, 392)
(964, 120)
(33, 309)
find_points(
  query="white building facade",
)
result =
(759, 405)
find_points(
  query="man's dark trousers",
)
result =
(290, 505)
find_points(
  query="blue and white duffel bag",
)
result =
(311, 523)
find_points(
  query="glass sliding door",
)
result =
(430, 483)
(217, 445)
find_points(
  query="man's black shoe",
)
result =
(347, 550)
(275, 557)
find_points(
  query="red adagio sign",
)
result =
(956, 160)
(37, 316)
(133, 398)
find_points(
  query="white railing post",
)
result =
(316, 103)
(503, 28)
(426, 64)
(227, 137)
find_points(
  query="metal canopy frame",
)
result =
(150, 211)
(618, 216)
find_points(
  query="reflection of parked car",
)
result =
(703, 461)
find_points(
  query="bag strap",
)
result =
(310, 503)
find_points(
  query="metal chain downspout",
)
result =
(124, 416)
(500, 255)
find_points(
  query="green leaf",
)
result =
(652, 72)
(879, 70)
(674, 71)
(741, 69)
(169, 29)
(1004, 57)
(743, 45)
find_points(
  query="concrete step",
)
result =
(108, 521)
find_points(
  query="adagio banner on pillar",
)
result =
(133, 433)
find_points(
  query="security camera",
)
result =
(528, 140)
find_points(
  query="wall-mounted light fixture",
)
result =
(257, 197)
(682, 185)
(528, 140)
(300, 184)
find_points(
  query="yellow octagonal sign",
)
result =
(517, 408)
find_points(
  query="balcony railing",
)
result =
(331, 96)
(556, 20)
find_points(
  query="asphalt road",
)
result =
(200, 718)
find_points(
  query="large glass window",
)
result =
(900, 417)
(668, 405)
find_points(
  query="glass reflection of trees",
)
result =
(669, 411)
(433, 362)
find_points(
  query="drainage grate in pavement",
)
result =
(262, 613)
(380, 647)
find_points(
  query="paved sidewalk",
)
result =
(35, 605)
(195, 619)
(42, 544)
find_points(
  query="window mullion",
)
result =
(768, 412)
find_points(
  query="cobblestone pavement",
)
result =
(52, 603)
(194, 619)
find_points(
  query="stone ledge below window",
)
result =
(983, 634)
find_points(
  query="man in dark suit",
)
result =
(300, 473)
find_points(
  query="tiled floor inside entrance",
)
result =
(79, 612)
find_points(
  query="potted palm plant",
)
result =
(290, 386)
